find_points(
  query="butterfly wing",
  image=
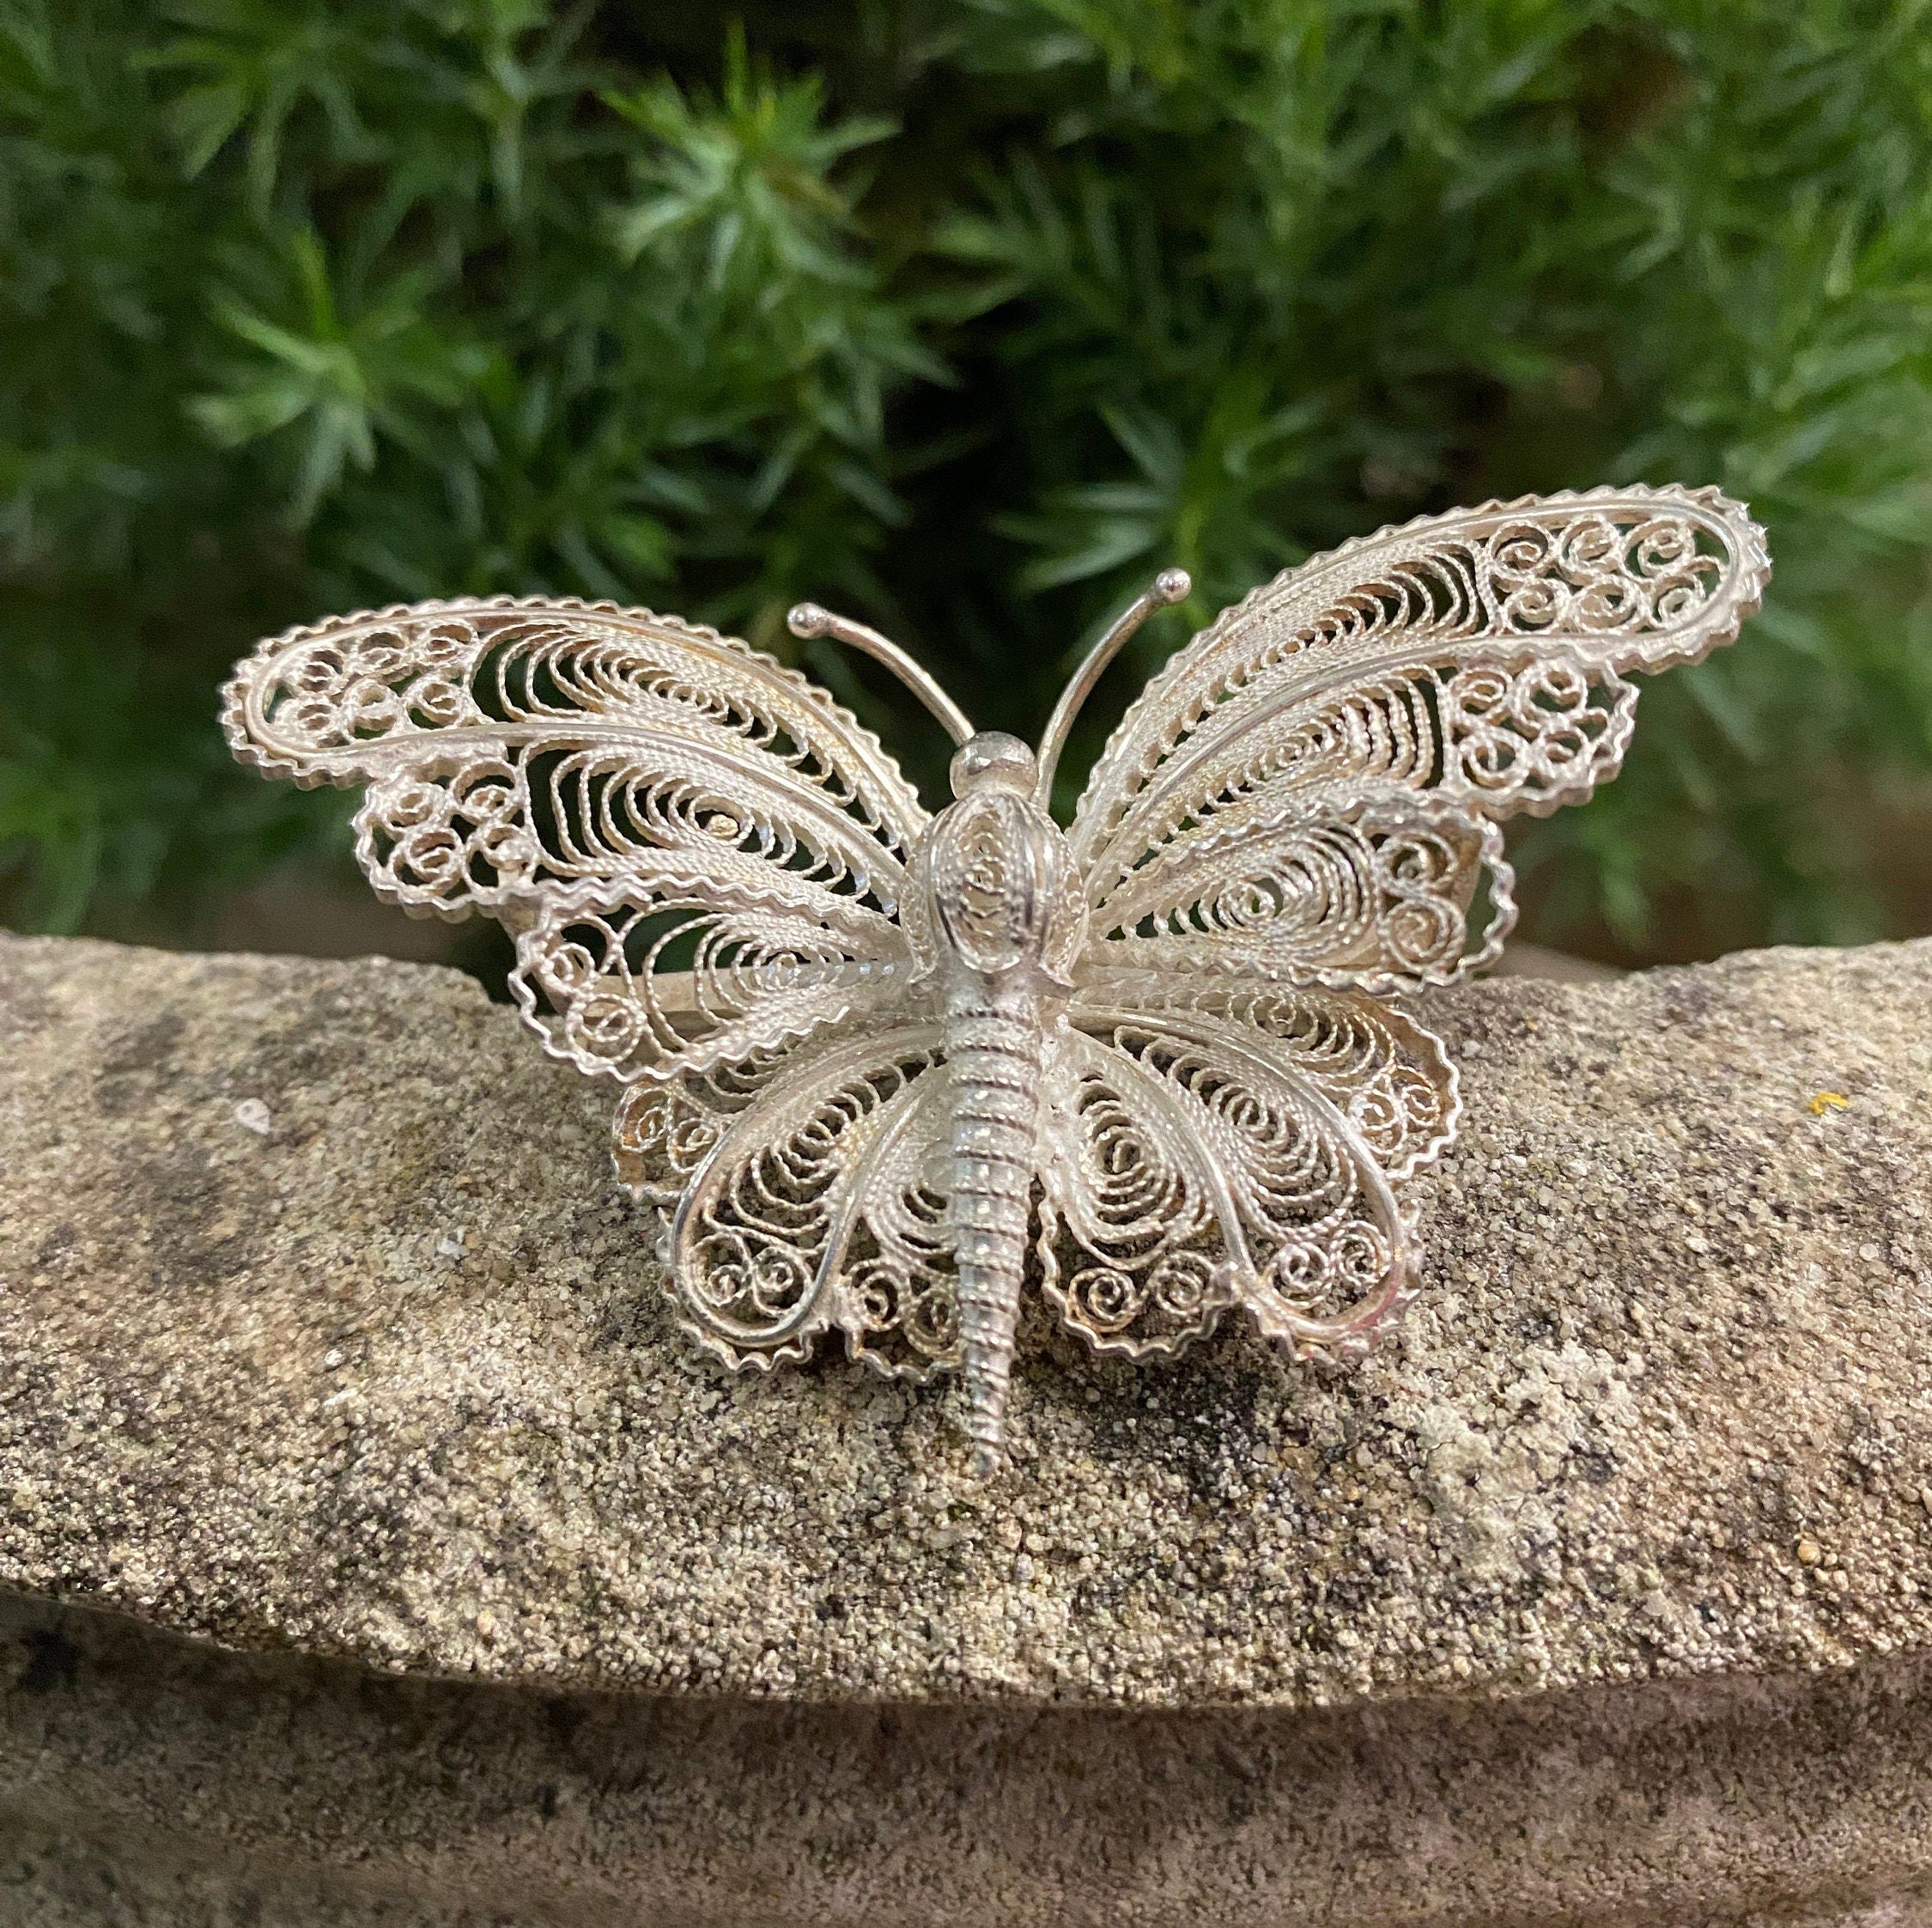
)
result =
(1293, 820)
(1310, 789)
(1215, 1145)
(700, 854)
(809, 1195)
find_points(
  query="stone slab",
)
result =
(324, 1329)
(151, 1782)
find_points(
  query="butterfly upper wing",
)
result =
(1311, 788)
(702, 853)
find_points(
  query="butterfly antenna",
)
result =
(808, 620)
(1170, 585)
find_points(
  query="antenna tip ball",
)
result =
(1173, 586)
(807, 620)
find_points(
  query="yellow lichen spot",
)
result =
(1827, 1101)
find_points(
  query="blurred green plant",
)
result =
(965, 315)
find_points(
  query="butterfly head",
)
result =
(992, 760)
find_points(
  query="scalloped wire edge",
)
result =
(1170, 1347)
(800, 1347)
(1671, 648)
(1360, 1329)
(516, 908)
(1452, 1084)
(1619, 738)
(1345, 1349)
(804, 1343)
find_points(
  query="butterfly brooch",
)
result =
(881, 1069)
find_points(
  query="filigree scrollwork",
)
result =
(880, 1069)
(824, 1204)
(1201, 1173)
(662, 1134)
(432, 840)
(343, 689)
(1130, 1248)
(1389, 1077)
(1604, 573)
(611, 734)
(1378, 898)
(637, 983)
(1535, 734)
(1478, 656)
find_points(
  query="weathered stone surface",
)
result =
(147, 1782)
(323, 1328)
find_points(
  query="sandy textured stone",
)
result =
(147, 1782)
(323, 1328)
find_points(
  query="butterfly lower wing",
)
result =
(632, 794)
(1210, 1147)
(1389, 1075)
(673, 970)
(1310, 789)
(816, 1202)
(1376, 890)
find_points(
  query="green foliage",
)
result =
(965, 316)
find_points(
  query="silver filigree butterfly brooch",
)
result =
(880, 1069)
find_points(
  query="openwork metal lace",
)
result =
(883, 1070)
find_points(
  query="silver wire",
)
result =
(1170, 585)
(808, 620)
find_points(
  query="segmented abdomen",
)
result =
(993, 1043)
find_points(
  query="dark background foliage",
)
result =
(965, 317)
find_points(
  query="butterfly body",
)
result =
(1008, 917)
(884, 1070)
